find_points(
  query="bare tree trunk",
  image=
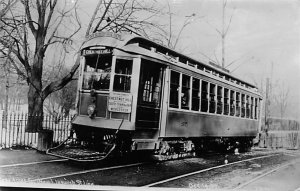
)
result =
(35, 97)
(5, 111)
(35, 110)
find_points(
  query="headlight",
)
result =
(91, 110)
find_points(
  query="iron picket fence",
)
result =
(13, 132)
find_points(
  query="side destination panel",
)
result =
(186, 124)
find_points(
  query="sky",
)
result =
(263, 37)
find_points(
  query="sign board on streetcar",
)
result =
(119, 102)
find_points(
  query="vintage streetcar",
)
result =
(137, 95)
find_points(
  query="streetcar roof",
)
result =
(134, 43)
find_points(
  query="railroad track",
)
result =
(32, 163)
(262, 175)
(86, 171)
(61, 163)
(203, 170)
(132, 170)
(248, 181)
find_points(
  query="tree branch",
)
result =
(7, 7)
(28, 14)
(52, 6)
(59, 84)
(93, 18)
(103, 16)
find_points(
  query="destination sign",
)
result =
(120, 102)
(103, 34)
(96, 51)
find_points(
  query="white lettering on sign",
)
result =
(103, 34)
(99, 51)
(120, 102)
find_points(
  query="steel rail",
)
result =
(263, 175)
(32, 163)
(86, 171)
(205, 170)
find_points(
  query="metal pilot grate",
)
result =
(70, 150)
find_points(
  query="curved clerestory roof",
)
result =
(135, 44)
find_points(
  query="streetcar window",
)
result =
(251, 107)
(232, 103)
(219, 100)
(150, 83)
(204, 96)
(238, 104)
(185, 92)
(123, 73)
(255, 109)
(248, 106)
(226, 98)
(212, 95)
(243, 105)
(97, 72)
(258, 108)
(174, 89)
(196, 94)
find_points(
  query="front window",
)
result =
(97, 71)
(123, 73)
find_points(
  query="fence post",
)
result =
(4, 120)
(14, 134)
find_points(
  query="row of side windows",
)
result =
(199, 66)
(193, 94)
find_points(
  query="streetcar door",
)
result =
(149, 95)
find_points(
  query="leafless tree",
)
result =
(30, 29)
(281, 98)
(5, 6)
(59, 103)
(223, 34)
(133, 16)
(170, 36)
(143, 18)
